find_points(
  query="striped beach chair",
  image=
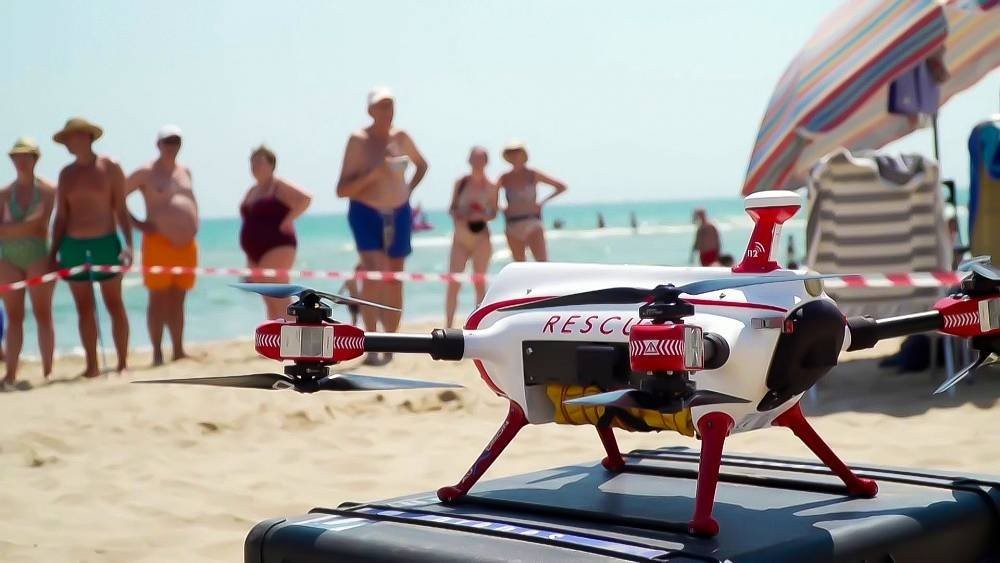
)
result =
(871, 214)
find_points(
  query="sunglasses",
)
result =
(171, 141)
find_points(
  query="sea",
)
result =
(217, 312)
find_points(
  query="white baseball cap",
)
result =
(378, 94)
(168, 131)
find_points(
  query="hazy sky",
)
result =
(623, 100)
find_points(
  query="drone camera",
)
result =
(666, 348)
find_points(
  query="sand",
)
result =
(103, 470)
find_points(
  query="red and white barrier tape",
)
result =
(920, 279)
(250, 272)
(915, 279)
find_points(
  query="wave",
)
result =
(644, 230)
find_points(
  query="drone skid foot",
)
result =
(714, 427)
(794, 420)
(514, 422)
(613, 462)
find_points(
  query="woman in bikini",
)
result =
(267, 236)
(524, 211)
(473, 204)
(26, 205)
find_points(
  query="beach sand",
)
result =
(102, 470)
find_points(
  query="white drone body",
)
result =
(749, 319)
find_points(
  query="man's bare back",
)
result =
(89, 193)
(171, 208)
(707, 238)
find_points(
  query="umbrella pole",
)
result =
(937, 145)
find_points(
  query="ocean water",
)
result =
(218, 312)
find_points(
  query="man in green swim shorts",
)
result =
(90, 208)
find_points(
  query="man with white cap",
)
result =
(373, 176)
(90, 209)
(168, 239)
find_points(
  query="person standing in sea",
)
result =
(168, 239)
(90, 209)
(523, 215)
(706, 239)
(373, 177)
(26, 207)
(267, 235)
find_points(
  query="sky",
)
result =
(622, 100)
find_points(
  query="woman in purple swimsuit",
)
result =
(267, 236)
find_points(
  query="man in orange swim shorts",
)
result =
(168, 239)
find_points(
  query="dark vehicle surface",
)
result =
(769, 510)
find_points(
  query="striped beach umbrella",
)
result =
(835, 92)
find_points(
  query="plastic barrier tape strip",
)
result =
(917, 279)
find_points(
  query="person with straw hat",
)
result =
(90, 208)
(523, 215)
(25, 208)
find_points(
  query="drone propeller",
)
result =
(981, 265)
(636, 399)
(626, 295)
(280, 290)
(335, 382)
(986, 357)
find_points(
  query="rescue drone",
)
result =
(714, 352)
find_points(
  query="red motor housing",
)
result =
(969, 316)
(322, 342)
(666, 347)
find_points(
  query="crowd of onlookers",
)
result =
(83, 220)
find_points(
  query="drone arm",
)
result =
(440, 344)
(866, 332)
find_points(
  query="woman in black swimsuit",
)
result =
(267, 236)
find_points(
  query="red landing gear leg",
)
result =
(796, 421)
(613, 462)
(511, 425)
(713, 428)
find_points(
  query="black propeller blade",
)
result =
(986, 357)
(249, 381)
(635, 399)
(626, 295)
(280, 290)
(336, 382)
(981, 265)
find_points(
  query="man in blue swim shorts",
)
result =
(373, 177)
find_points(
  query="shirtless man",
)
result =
(90, 207)
(167, 239)
(373, 176)
(706, 239)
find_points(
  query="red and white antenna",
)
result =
(769, 210)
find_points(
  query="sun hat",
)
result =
(25, 145)
(378, 94)
(74, 125)
(168, 131)
(514, 145)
